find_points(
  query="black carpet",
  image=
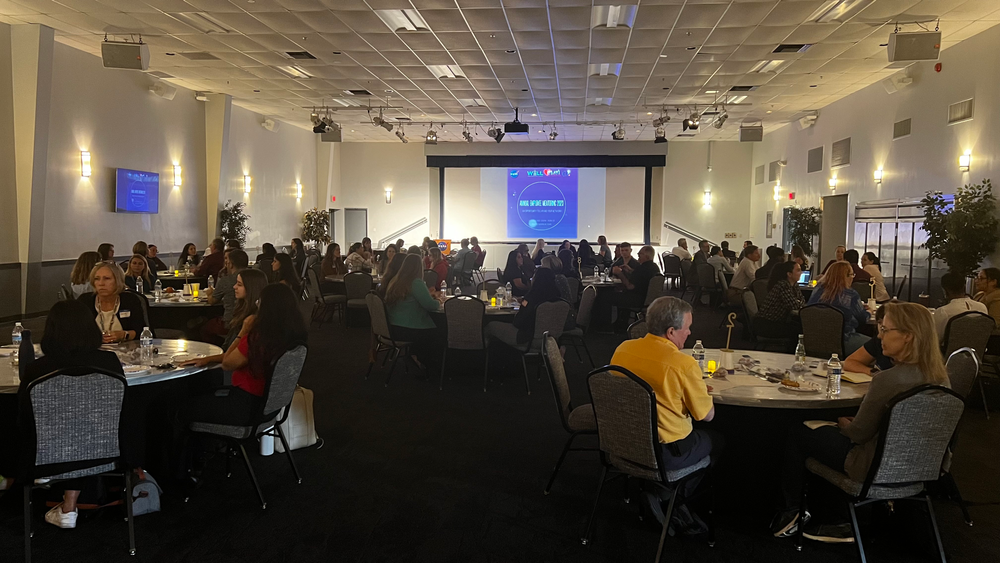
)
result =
(411, 473)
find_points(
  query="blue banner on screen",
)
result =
(137, 192)
(541, 203)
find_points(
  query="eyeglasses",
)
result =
(882, 329)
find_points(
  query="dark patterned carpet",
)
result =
(411, 473)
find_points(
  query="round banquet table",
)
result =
(749, 390)
(169, 279)
(185, 314)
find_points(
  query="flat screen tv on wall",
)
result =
(137, 191)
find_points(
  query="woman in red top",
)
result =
(439, 265)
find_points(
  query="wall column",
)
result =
(218, 111)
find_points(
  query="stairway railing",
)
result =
(395, 236)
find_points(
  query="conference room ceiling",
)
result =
(557, 60)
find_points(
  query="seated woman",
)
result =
(717, 259)
(267, 252)
(118, 313)
(225, 292)
(522, 330)
(247, 289)
(569, 265)
(538, 252)
(778, 315)
(605, 253)
(439, 265)
(835, 290)
(333, 262)
(387, 256)
(798, 255)
(871, 264)
(910, 339)
(138, 269)
(514, 274)
(409, 303)
(276, 328)
(840, 258)
(107, 251)
(357, 261)
(189, 257)
(79, 278)
(283, 271)
(588, 259)
(71, 339)
(298, 255)
(870, 358)
(988, 293)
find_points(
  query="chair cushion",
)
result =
(582, 419)
(578, 332)
(334, 299)
(853, 488)
(358, 303)
(636, 470)
(230, 431)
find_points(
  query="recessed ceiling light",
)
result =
(711, 91)
(768, 111)
(691, 48)
(352, 130)
(663, 56)
(649, 113)
(423, 115)
(534, 115)
(511, 51)
(493, 36)
(337, 53)
(170, 54)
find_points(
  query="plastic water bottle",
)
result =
(698, 352)
(444, 287)
(458, 290)
(211, 282)
(15, 340)
(146, 346)
(800, 351)
(508, 294)
(833, 373)
(157, 290)
(138, 285)
(501, 296)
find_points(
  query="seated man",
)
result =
(676, 380)
(958, 302)
(458, 259)
(726, 252)
(745, 273)
(701, 257)
(681, 250)
(851, 257)
(628, 268)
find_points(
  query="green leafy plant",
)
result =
(803, 226)
(316, 226)
(964, 231)
(233, 221)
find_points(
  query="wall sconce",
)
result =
(878, 177)
(85, 169)
(964, 161)
(388, 195)
(706, 200)
(777, 192)
(177, 175)
(833, 183)
(298, 190)
(246, 184)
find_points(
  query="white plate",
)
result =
(184, 357)
(131, 369)
(804, 387)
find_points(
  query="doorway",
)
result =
(355, 225)
(833, 232)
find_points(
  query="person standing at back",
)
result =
(681, 250)
(676, 380)
(211, 264)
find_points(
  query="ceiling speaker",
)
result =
(129, 56)
(751, 133)
(331, 136)
(163, 90)
(914, 46)
(896, 82)
(269, 124)
(807, 121)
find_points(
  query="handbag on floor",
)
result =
(300, 426)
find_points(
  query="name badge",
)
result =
(124, 313)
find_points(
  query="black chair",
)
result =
(689, 279)
(383, 339)
(549, 318)
(708, 283)
(76, 415)
(65, 294)
(822, 330)
(971, 329)
(963, 371)
(357, 285)
(760, 341)
(326, 303)
(759, 289)
(625, 408)
(637, 329)
(490, 286)
(468, 267)
(913, 439)
(899, 291)
(430, 279)
(575, 336)
(672, 268)
(863, 288)
(464, 319)
(264, 265)
(577, 421)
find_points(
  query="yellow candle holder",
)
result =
(711, 366)
(493, 301)
(177, 272)
(194, 293)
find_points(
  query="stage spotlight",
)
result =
(720, 120)
(401, 135)
(553, 135)
(467, 135)
(661, 135)
(324, 125)
(618, 134)
(495, 133)
(381, 122)
(431, 138)
(692, 122)
(314, 118)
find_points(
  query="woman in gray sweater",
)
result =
(910, 339)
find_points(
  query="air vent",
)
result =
(200, 56)
(604, 69)
(959, 112)
(472, 102)
(841, 153)
(301, 55)
(758, 175)
(772, 171)
(403, 20)
(357, 92)
(792, 48)
(685, 134)
(446, 71)
(613, 16)
(814, 160)
(742, 88)
(901, 129)
(159, 74)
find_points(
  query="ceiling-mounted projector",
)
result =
(515, 127)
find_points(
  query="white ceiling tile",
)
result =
(747, 14)
(283, 22)
(701, 15)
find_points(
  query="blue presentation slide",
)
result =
(137, 192)
(541, 203)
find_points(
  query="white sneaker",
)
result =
(57, 517)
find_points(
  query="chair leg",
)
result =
(802, 511)
(288, 452)
(666, 523)
(253, 477)
(857, 532)
(576, 348)
(27, 522)
(486, 368)
(392, 366)
(585, 540)
(982, 392)
(524, 364)
(559, 463)
(229, 461)
(129, 513)
(587, 350)
(937, 533)
(444, 365)
(956, 495)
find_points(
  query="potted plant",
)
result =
(803, 225)
(233, 222)
(964, 231)
(316, 226)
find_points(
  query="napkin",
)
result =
(814, 424)
(854, 377)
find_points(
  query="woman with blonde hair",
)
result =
(910, 339)
(138, 269)
(835, 291)
(539, 252)
(118, 313)
(79, 278)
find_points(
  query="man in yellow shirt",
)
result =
(676, 379)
